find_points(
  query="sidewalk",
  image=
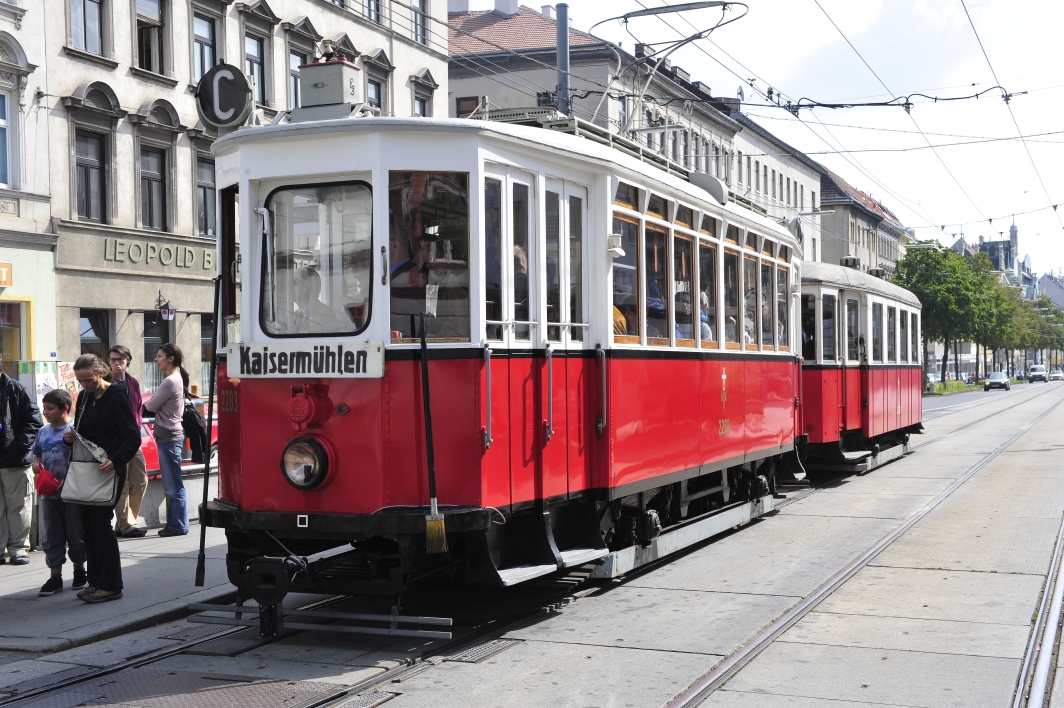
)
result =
(159, 578)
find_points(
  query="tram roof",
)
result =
(530, 137)
(851, 279)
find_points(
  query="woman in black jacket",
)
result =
(104, 417)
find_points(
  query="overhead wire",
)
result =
(1013, 115)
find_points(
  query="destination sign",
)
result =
(350, 360)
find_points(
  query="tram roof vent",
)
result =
(330, 88)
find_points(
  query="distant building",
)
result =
(862, 233)
(1052, 287)
(1004, 255)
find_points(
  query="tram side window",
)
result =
(554, 292)
(657, 284)
(877, 332)
(521, 295)
(576, 268)
(809, 327)
(892, 352)
(766, 305)
(683, 281)
(783, 333)
(731, 297)
(493, 258)
(749, 301)
(903, 347)
(317, 279)
(429, 254)
(829, 327)
(915, 339)
(853, 331)
(707, 298)
(626, 283)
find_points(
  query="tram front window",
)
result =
(317, 276)
(428, 224)
(809, 327)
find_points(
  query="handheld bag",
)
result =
(46, 483)
(85, 483)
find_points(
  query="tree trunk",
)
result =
(956, 360)
(945, 359)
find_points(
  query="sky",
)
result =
(925, 46)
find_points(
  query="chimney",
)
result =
(701, 88)
(457, 7)
(641, 50)
(548, 12)
(506, 7)
(681, 75)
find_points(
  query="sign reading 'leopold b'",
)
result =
(121, 251)
(350, 360)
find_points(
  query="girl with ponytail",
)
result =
(168, 404)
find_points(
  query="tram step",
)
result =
(521, 573)
(579, 556)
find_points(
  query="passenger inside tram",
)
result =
(630, 312)
(311, 314)
(684, 325)
(808, 327)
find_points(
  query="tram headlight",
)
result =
(305, 463)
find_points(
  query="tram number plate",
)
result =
(724, 426)
(227, 402)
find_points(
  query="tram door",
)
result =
(567, 374)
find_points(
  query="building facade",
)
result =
(107, 199)
(860, 233)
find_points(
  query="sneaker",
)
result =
(134, 533)
(87, 591)
(54, 585)
(102, 596)
(80, 579)
(165, 532)
(20, 560)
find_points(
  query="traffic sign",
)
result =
(223, 97)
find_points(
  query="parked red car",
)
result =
(151, 451)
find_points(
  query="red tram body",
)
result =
(631, 366)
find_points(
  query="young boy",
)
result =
(61, 521)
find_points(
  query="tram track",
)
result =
(732, 664)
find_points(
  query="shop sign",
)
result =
(123, 251)
(7, 277)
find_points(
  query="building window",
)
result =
(5, 143)
(773, 184)
(373, 10)
(206, 352)
(203, 45)
(622, 114)
(11, 337)
(254, 65)
(739, 176)
(94, 339)
(156, 334)
(374, 92)
(85, 25)
(788, 192)
(421, 21)
(150, 35)
(757, 176)
(466, 105)
(421, 107)
(295, 60)
(88, 166)
(801, 196)
(206, 197)
(152, 189)
(812, 199)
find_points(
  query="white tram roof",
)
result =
(851, 279)
(558, 144)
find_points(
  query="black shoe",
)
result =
(165, 532)
(3, 560)
(134, 533)
(80, 579)
(20, 560)
(54, 585)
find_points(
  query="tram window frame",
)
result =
(853, 330)
(767, 302)
(684, 212)
(553, 289)
(749, 261)
(767, 248)
(663, 259)
(625, 191)
(494, 326)
(632, 246)
(710, 226)
(829, 339)
(877, 332)
(437, 326)
(680, 241)
(524, 331)
(750, 242)
(914, 334)
(734, 234)
(892, 332)
(810, 331)
(578, 314)
(327, 288)
(732, 294)
(783, 309)
(654, 202)
(903, 335)
(712, 315)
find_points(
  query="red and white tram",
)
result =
(612, 351)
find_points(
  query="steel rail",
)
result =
(731, 665)
(1040, 646)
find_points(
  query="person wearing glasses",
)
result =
(128, 508)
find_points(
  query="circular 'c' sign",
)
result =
(223, 97)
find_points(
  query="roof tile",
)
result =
(527, 30)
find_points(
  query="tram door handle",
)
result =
(600, 355)
(384, 266)
(548, 425)
(487, 371)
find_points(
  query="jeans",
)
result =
(128, 508)
(61, 533)
(101, 544)
(174, 485)
(16, 509)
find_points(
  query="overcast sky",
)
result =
(925, 46)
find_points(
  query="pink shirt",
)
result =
(168, 404)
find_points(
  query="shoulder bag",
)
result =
(85, 483)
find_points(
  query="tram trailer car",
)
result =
(611, 351)
(862, 383)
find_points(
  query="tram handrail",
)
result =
(487, 428)
(600, 354)
(549, 424)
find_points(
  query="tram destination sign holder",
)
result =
(224, 98)
(322, 360)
